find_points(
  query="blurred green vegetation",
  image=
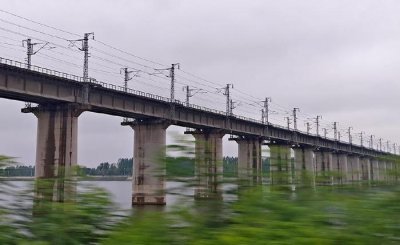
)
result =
(281, 214)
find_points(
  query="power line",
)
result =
(51, 27)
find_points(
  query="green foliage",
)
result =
(356, 214)
(82, 217)
(8, 233)
(11, 171)
(264, 216)
(83, 220)
(123, 167)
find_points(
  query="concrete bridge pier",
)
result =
(304, 166)
(365, 169)
(249, 159)
(375, 169)
(148, 185)
(280, 164)
(208, 163)
(382, 170)
(56, 148)
(342, 168)
(323, 166)
(335, 168)
(389, 169)
(355, 168)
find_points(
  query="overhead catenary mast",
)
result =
(349, 134)
(295, 110)
(172, 76)
(362, 139)
(84, 47)
(265, 111)
(127, 76)
(190, 92)
(30, 50)
(317, 124)
(308, 126)
(335, 131)
(288, 122)
(371, 141)
(227, 93)
(325, 132)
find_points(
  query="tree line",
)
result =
(123, 167)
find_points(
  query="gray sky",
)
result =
(338, 58)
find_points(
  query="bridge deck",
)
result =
(42, 86)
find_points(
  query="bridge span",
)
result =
(61, 98)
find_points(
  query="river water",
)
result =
(120, 191)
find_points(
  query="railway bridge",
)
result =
(62, 97)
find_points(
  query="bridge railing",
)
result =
(120, 88)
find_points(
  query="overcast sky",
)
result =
(337, 58)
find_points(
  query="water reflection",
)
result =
(120, 191)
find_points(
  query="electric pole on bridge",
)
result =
(308, 125)
(380, 144)
(361, 139)
(335, 132)
(295, 110)
(349, 134)
(84, 47)
(127, 76)
(371, 141)
(388, 146)
(325, 132)
(30, 50)
(288, 122)
(233, 106)
(317, 123)
(339, 135)
(227, 93)
(172, 76)
(265, 111)
(190, 92)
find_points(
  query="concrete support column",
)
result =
(343, 168)
(209, 168)
(323, 166)
(56, 148)
(355, 168)
(280, 164)
(382, 170)
(249, 159)
(365, 169)
(304, 166)
(389, 168)
(337, 168)
(148, 187)
(375, 169)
